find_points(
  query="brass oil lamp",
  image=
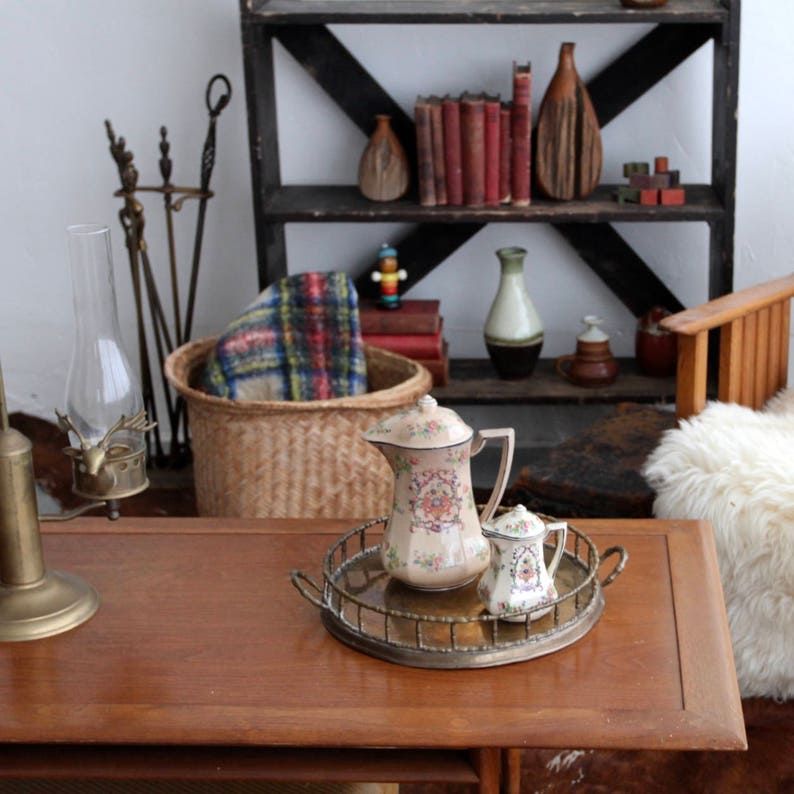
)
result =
(106, 422)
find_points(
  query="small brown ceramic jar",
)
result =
(593, 363)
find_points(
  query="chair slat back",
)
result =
(754, 328)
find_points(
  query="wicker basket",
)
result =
(293, 459)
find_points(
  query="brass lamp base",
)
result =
(55, 603)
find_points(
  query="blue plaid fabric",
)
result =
(300, 340)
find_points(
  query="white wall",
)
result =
(67, 66)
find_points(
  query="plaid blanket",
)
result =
(299, 340)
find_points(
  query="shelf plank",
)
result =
(475, 381)
(333, 203)
(478, 11)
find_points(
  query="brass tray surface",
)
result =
(367, 609)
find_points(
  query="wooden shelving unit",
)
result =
(681, 27)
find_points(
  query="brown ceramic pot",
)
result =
(593, 363)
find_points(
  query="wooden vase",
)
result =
(383, 170)
(568, 160)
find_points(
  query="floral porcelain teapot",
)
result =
(517, 578)
(433, 538)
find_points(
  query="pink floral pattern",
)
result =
(436, 501)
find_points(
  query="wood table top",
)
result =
(201, 639)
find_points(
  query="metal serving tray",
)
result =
(367, 609)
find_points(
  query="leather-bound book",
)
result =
(415, 316)
(493, 109)
(424, 152)
(439, 367)
(450, 111)
(472, 135)
(505, 153)
(437, 140)
(521, 133)
(419, 346)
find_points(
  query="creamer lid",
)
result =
(518, 524)
(426, 425)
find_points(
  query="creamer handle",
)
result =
(507, 435)
(557, 526)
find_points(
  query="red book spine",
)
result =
(418, 346)
(424, 153)
(415, 316)
(472, 135)
(521, 133)
(437, 139)
(438, 367)
(505, 154)
(450, 111)
(492, 121)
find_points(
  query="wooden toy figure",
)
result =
(389, 276)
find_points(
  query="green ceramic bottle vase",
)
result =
(513, 330)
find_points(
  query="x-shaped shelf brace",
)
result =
(627, 78)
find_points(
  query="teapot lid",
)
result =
(424, 426)
(518, 524)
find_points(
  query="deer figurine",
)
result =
(97, 462)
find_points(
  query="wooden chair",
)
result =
(598, 472)
(729, 462)
(753, 350)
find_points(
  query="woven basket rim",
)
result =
(180, 365)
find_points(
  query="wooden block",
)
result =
(660, 165)
(628, 195)
(649, 196)
(661, 181)
(650, 181)
(635, 168)
(640, 181)
(672, 197)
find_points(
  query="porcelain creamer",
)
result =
(433, 538)
(517, 578)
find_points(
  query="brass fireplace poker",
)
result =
(36, 602)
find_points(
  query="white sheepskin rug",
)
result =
(735, 467)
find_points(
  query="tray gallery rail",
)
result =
(367, 609)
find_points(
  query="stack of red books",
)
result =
(474, 150)
(415, 330)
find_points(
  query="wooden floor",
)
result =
(766, 768)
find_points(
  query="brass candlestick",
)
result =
(34, 602)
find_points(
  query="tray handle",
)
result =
(301, 580)
(621, 563)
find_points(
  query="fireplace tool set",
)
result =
(145, 288)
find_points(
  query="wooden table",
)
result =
(204, 662)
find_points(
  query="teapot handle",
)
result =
(507, 435)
